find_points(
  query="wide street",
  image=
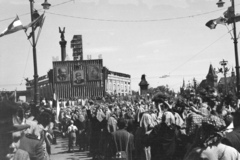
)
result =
(60, 151)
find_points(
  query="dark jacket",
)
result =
(123, 139)
(33, 146)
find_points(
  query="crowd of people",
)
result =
(160, 127)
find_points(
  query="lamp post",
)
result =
(235, 41)
(224, 71)
(36, 91)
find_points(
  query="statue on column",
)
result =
(62, 33)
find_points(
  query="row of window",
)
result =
(116, 81)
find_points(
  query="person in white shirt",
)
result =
(71, 136)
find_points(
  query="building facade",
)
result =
(118, 83)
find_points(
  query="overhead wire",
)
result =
(133, 21)
(198, 53)
(10, 18)
(186, 75)
(112, 20)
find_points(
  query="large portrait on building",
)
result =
(94, 72)
(62, 74)
(78, 77)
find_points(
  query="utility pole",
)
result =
(45, 5)
(36, 91)
(235, 39)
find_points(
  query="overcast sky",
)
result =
(152, 37)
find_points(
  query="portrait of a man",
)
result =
(78, 77)
(62, 74)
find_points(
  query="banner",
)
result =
(94, 72)
(62, 74)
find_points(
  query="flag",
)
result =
(35, 14)
(15, 26)
(213, 23)
(229, 13)
(36, 23)
(236, 18)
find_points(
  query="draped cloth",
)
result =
(112, 124)
(219, 152)
(147, 122)
(168, 118)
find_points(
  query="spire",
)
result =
(183, 86)
(211, 72)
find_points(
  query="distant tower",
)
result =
(212, 77)
(183, 87)
(76, 45)
(143, 85)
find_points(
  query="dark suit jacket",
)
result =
(33, 146)
(62, 77)
(233, 139)
(79, 81)
(122, 137)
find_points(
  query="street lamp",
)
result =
(224, 71)
(235, 41)
(220, 3)
(45, 5)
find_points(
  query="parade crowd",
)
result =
(157, 127)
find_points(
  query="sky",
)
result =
(151, 37)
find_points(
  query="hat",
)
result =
(213, 128)
(213, 123)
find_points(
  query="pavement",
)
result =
(60, 151)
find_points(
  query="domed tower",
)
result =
(143, 85)
(212, 77)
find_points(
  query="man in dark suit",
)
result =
(233, 138)
(79, 79)
(121, 140)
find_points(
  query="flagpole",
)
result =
(36, 92)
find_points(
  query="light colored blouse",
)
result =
(219, 152)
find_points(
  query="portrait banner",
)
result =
(94, 72)
(78, 77)
(62, 74)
